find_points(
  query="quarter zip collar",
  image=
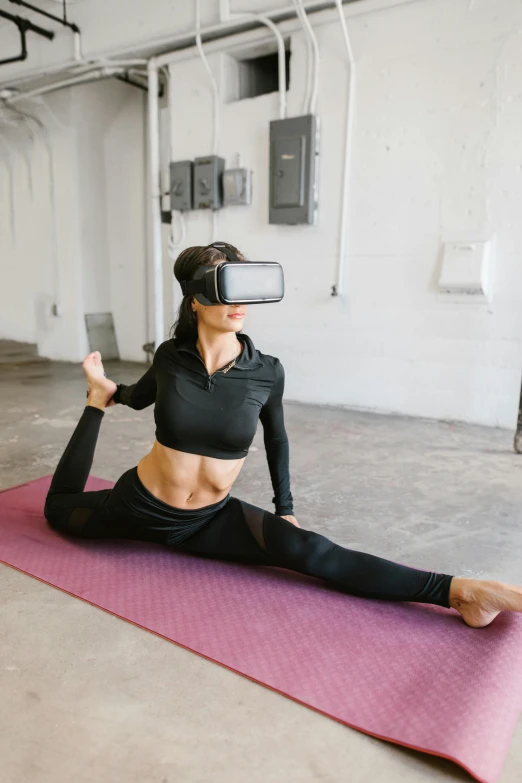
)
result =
(248, 360)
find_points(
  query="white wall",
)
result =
(35, 275)
(96, 106)
(110, 121)
(96, 135)
(126, 207)
(437, 157)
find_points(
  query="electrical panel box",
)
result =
(466, 268)
(181, 185)
(208, 182)
(294, 151)
(237, 187)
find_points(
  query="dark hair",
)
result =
(185, 328)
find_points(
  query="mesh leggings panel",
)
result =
(255, 520)
(83, 515)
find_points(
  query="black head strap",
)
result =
(189, 287)
(231, 256)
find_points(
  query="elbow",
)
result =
(276, 443)
(140, 405)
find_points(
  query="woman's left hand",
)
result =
(291, 519)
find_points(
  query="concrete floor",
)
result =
(87, 697)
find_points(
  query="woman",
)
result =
(210, 387)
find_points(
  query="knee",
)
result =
(54, 516)
(48, 509)
(297, 547)
(310, 549)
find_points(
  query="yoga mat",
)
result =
(411, 674)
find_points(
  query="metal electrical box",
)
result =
(208, 182)
(237, 187)
(181, 175)
(294, 150)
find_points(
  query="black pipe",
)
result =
(63, 21)
(126, 78)
(24, 25)
(23, 55)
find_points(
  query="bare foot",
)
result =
(100, 388)
(480, 601)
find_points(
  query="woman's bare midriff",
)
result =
(187, 481)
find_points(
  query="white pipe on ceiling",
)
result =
(324, 16)
(99, 73)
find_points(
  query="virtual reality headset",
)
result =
(235, 282)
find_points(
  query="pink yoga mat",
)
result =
(408, 673)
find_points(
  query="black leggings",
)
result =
(236, 531)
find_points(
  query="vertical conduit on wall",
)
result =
(338, 288)
(155, 201)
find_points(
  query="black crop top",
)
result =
(217, 415)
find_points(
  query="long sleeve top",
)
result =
(216, 415)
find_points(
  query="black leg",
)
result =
(75, 465)
(67, 507)
(354, 572)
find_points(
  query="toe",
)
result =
(92, 362)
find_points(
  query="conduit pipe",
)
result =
(40, 11)
(309, 57)
(314, 47)
(105, 63)
(155, 202)
(100, 73)
(338, 288)
(216, 103)
(213, 83)
(185, 40)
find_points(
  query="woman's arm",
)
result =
(139, 395)
(276, 444)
